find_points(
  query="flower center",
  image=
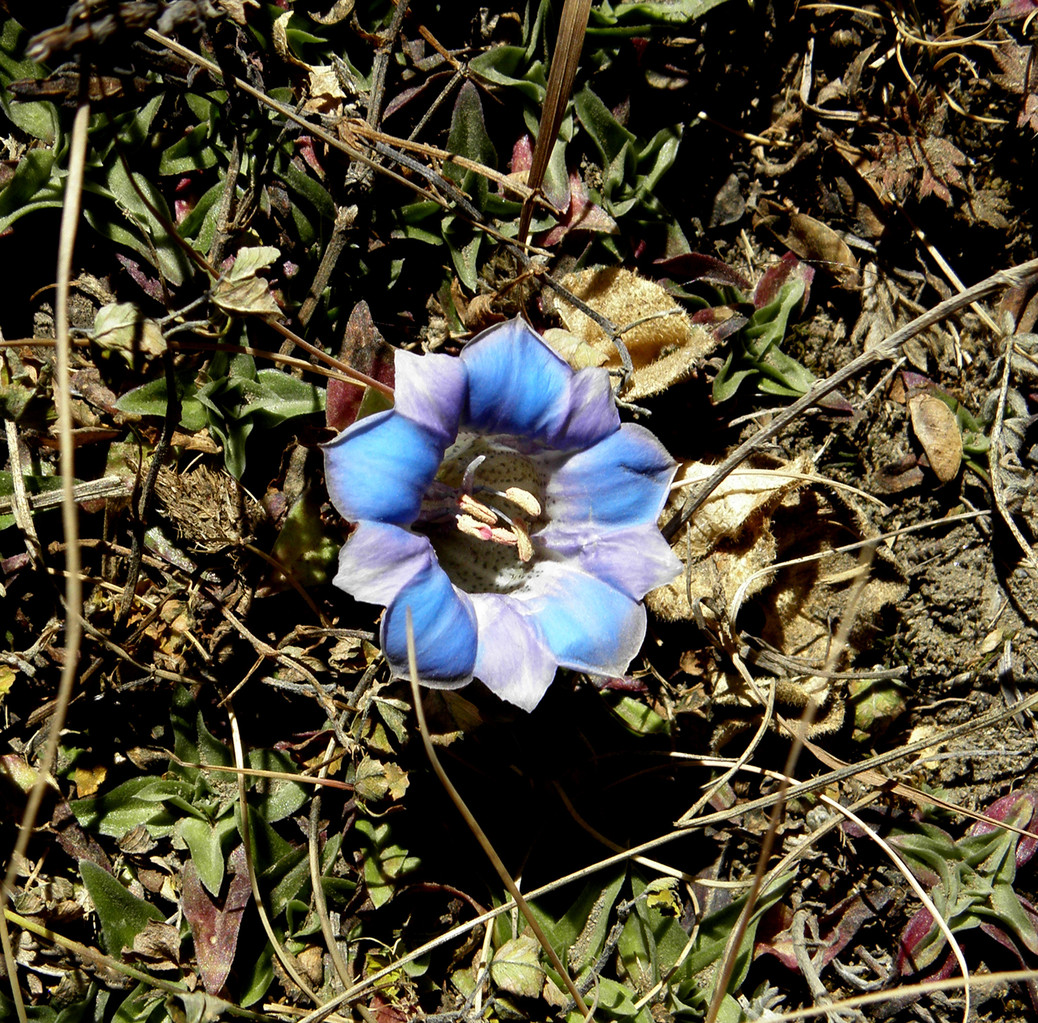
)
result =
(479, 512)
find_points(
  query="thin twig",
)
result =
(320, 903)
(69, 510)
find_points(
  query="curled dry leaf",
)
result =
(933, 422)
(733, 529)
(754, 520)
(664, 349)
(811, 240)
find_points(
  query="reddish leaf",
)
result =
(786, 269)
(696, 266)
(580, 215)
(1006, 808)
(215, 923)
(722, 320)
(837, 927)
(363, 348)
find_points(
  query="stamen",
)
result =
(523, 499)
(476, 509)
(473, 527)
(503, 536)
(523, 542)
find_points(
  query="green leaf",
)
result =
(38, 118)
(311, 190)
(302, 548)
(123, 916)
(280, 397)
(516, 967)
(143, 1005)
(582, 931)
(32, 187)
(190, 153)
(639, 17)
(639, 718)
(609, 136)
(468, 137)
(293, 874)
(136, 130)
(206, 844)
(385, 863)
(137, 801)
(199, 226)
(504, 66)
(152, 399)
(122, 327)
(275, 798)
(150, 238)
(257, 976)
(464, 254)
(715, 930)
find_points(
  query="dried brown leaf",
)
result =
(664, 349)
(934, 424)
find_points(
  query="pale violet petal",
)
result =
(517, 384)
(622, 481)
(587, 624)
(633, 560)
(444, 622)
(430, 390)
(380, 467)
(591, 412)
(379, 560)
(513, 660)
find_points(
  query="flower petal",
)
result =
(586, 623)
(633, 560)
(622, 481)
(380, 467)
(379, 560)
(444, 623)
(430, 390)
(513, 660)
(591, 411)
(517, 384)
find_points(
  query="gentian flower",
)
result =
(502, 501)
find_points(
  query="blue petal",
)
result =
(586, 623)
(622, 481)
(430, 390)
(517, 384)
(380, 467)
(444, 625)
(633, 560)
(514, 659)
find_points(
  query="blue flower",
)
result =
(503, 502)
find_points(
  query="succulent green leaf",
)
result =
(123, 916)
(468, 137)
(206, 844)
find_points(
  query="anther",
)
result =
(477, 509)
(523, 543)
(523, 499)
(473, 527)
